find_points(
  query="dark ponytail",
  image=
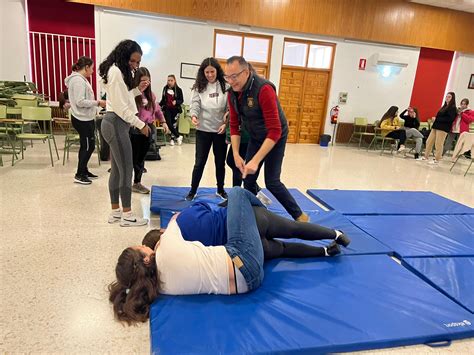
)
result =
(81, 63)
(136, 288)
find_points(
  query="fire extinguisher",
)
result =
(334, 113)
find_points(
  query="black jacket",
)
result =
(178, 96)
(409, 121)
(445, 118)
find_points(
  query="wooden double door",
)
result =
(303, 96)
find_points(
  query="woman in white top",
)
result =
(208, 114)
(117, 72)
(180, 267)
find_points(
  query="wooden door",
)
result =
(290, 95)
(311, 121)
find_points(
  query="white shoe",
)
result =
(130, 220)
(180, 140)
(171, 142)
(401, 149)
(115, 216)
(264, 198)
(433, 162)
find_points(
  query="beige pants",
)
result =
(435, 138)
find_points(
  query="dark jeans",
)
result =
(86, 130)
(204, 141)
(399, 134)
(271, 225)
(140, 146)
(170, 115)
(273, 162)
(236, 174)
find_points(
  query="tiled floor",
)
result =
(58, 253)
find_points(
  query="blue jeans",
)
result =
(243, 238)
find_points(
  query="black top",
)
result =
(410, 122)
(178, 94)
(445, 118)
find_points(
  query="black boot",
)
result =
(342, 239)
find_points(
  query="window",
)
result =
(256, 49)
(307, 54)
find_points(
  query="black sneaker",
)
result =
(91, 176)
(417, 156)
(342, 239)
(191, 196)
(80, 179)
(222, 194)
(333, 249)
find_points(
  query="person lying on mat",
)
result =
(180, 267)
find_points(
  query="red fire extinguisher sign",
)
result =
(362, 63)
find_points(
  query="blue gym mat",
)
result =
(452, 276)
(361, 242)
(313, 306)
(413, 236)
(172, 199)
(360, 202)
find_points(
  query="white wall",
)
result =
(14, 45)
(461, 70)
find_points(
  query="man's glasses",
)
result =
(233, 77)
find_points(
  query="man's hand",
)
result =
(239, 163)
(250, 168)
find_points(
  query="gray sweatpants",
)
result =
(416, 136)
(116, 134)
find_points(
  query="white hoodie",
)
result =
(81, 97)
(209, 107)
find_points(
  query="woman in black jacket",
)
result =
(441, 127)
(171, 100)
(411, 125)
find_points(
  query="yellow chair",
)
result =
(360, 131)
(184, 125)
(38, 114)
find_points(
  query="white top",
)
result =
(81, 97)
(209, 107)
(457, 124)
(121, 100)
(188, 268)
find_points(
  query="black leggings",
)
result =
(204, 141)
(399, 134)
(140, 146)
(86, 130)
(170, 116)
(272, 226)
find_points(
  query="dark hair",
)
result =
(81, 63)
(390, 114)
(120, 56)
(242, 62)
(416, 113)
(175, 81)
(465, 100)
(151, 238)
(201, 81)
(136, 288)
(141, 72)
(452, 103)
(63, 98)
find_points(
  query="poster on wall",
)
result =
(471, 82)
(189, 70)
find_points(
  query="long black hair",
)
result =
(390, 114)
(120, 56)
(452, 103)
(201, 80)
(141, 72)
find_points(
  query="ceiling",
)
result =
(459, 5)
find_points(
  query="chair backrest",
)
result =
(360, 121)
(29, 113)
(3, 111)
(471, 127)
(184, 124)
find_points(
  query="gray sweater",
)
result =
(81, 97)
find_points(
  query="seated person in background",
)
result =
(412, 123)
(460, 125)
(391, 127)
(180, 267)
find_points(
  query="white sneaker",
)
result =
(130, 220)
(180, 140)
(171, 142)
(264, 198)
(115, 216)
(401, 149)
(433, 162)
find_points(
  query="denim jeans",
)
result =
(273, 162)
(243, 238)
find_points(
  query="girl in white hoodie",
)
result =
(83, 110)
(209, 113)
